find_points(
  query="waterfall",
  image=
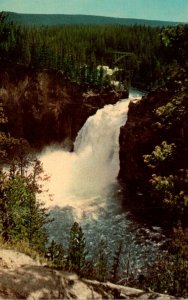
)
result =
(94, 164)
(85, 189)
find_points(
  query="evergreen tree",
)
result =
(101, 261)
(22, 216)
(56, 254)
(69, 47)
(76, 250)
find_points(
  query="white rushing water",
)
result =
(85, 188)
(93, 165)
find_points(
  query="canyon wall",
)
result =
(45, 107)
(138, 137)
(161, 116)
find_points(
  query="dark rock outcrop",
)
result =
(138, 137)
(44, 106)
(145, 129)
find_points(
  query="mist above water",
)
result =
(85, 189)
(93, 166)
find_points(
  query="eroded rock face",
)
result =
(138, 137)
(44, 106)
(24, 278)
(145, 129)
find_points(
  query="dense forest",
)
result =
(79, 49)
(154, 59)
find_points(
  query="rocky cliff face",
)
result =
(44, 107)
(138, 137)
(157, 117)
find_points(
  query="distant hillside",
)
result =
(57, 19)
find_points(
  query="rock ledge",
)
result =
(24, 278)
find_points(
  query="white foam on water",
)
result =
(83, 175)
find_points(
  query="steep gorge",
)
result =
(45, 107)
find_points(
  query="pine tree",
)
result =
(56, 254)
(22, 216)
(76, 250)
(101, 260)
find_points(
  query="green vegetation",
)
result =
(170, 274)
(167, 275)
(101, 261)
(22, 216)
(76, 251)
(79, 49)
(162, 154)
(167, 164)
(153, 58)
(75, 258)
(167, 177)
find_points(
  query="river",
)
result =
(85, 189)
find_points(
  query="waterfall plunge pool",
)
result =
(85, 189)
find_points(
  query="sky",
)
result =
(165, 10)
